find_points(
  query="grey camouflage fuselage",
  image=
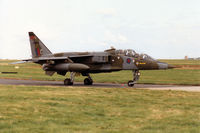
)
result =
(109, 60)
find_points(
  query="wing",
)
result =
(70, 58)
(45, 59)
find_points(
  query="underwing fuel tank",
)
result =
(75, 67)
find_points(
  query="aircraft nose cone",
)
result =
(162, 65)
(171, 66)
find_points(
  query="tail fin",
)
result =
(38, 49)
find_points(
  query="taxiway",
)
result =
(100, 85)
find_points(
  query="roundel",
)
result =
(128, 60)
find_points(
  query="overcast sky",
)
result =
(160, 28)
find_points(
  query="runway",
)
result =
(100, 85)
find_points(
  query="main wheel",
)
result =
(130, 83)
(88, 81)
(68, 82)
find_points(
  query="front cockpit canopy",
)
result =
(146, 57)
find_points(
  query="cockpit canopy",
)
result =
(126, 52)
(146, 57)
(129, 53)
(132, 53)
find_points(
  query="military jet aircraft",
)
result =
(91, 62)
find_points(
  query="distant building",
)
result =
(191, 59)
(187, 58)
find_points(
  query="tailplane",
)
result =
(38, 49)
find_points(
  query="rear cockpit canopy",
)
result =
(127, 52)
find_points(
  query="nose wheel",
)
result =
(130, 83)
(136, 76)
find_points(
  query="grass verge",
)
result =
(95, 110)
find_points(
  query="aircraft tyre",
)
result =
(130, 83)
(88, 81)
(68, 82)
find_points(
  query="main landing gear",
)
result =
(136, 76)
(88, 81)
(70, 81)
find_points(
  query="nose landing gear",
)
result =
(136, 76)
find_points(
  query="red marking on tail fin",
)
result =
(32, 37)
(38, 52)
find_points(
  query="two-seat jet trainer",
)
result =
(91, 62)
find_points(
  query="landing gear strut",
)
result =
(88, 81)
(70, 81)
(136, 76)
